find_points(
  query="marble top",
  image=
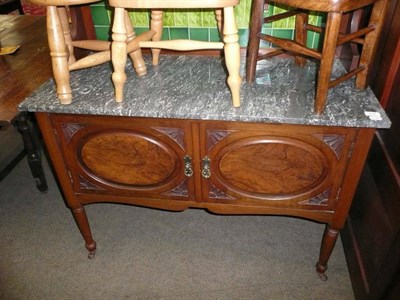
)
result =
(194, 87)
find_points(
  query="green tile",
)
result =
(317, 18)
(194, 18)
(166, 35)
(283, 33)
(169, 18)
(208, 16)
(314, 40)
(100, 15)
(179, 33)
(140, 17)
(214, 35)
(181, 18)
(242, 15)
(199, 34)
(102, 32)
(243, 37)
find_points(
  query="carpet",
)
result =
(32, 9)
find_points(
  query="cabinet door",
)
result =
(274, 165)
(119, 156)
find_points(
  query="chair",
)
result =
(62, 46)
(229, 29)
(367, 36)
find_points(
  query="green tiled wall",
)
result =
(200, 24)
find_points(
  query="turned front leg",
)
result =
(58, 54)
(327, 245)
(62, 12)
(118, 53)
(156, 24)
(136, 56)
(83, 225)
(232, 54)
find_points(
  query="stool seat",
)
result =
(62, 2)
(162, 4)
(367, 37)
(326, 5)
(226, 22)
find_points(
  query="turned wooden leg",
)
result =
(118, 53)
(327, 245)
(328, 56)
(232, 54)
(83, 225)
(156, 24)
(301, 36)
(58, 53)
(218, 18)
(256, 22)
(371, 41)
(136, 56)
(62, 12)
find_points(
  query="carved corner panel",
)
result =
(69, 129)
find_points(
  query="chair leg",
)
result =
(301, 36)
(58, 53)
(62, 12)
(328, 56)
(256, 22)
(371, 41)
(156, 24)
(136, 56)
(218, 18)
(118, 52)
(232, 54)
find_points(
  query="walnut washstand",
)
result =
(186, 146)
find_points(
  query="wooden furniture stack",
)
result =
(62, 46)
(188, 147)
(368, 36)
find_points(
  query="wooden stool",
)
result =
(230, 38)
(367, 36)
(62, 46)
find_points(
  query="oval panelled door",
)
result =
(128, 158)
(274, 168)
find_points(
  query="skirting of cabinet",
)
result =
(224, 167)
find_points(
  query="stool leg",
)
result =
(328, 56)
(257, 11)
(156, 24)
(136, 56)
(371, 41)
(232, 54)
(58, 53)
(118, 53)
(62, 12)
(301, 36)
(218, 17)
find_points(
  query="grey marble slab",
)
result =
(194, 87)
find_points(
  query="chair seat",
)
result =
(61, 2)
(326, 5)
(161, 4)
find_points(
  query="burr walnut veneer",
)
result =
(188, 147)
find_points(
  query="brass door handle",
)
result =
(188, 170)
(206, 171)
